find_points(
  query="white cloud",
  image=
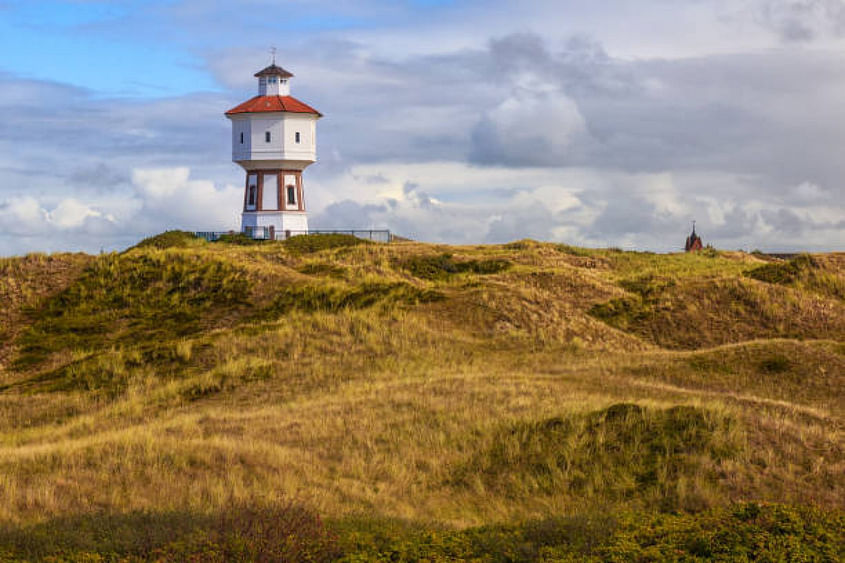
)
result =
(22, 215)
(159, 199)
(70, 213)
(452, 202)
(170, 199)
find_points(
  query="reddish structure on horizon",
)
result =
(693, 241)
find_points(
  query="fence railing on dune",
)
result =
(268, 233)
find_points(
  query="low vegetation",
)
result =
(667, 459)
(325, 398)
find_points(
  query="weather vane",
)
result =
(273, 54)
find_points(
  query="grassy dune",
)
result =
(327, 398)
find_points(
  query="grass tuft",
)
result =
(669, 458)
(171, 239)
(308, 244)
(444, 265)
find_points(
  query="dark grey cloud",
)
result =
(803, 20)
(99, 175)
(771, 116)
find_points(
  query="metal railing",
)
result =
(376, 235)
(268, 233)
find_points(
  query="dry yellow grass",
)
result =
(378, 386)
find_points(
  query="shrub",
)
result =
(331, 298)
(443, 265)
(307, 244)
(241, 239)
(744, 532)
(287, 533)
(572, 250)
(171, 239)
(783, 273)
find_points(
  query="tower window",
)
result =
(291, 195)
(297, 137)
(242, 138)
(267, 136)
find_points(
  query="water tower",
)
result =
(274, 139)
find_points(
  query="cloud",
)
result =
(577, 206)
(158, 200)
(802, 20)
(21, 215)
(536, 125)
(169, 198)
(70, 213)
(464, 133)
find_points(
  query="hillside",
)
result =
(410, 400)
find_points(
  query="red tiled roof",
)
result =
(263, 104)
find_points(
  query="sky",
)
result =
(613, 123)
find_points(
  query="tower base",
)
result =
(274, 224)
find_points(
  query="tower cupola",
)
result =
(273, 81)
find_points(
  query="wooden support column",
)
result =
(259, 202)
(280, 190)
(246, 189)
(300, 194)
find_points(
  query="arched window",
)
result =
(291, 195)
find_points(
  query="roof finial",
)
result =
(693, 226)
(273, 54)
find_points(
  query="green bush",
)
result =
(573, 250)
(241, 533)
(334, 298)
(744, 532)
(621, 312)
(171, 239)
(442, 266)
(307, 244)
(241, 239)
(783, 273)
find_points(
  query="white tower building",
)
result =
(274, 138)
